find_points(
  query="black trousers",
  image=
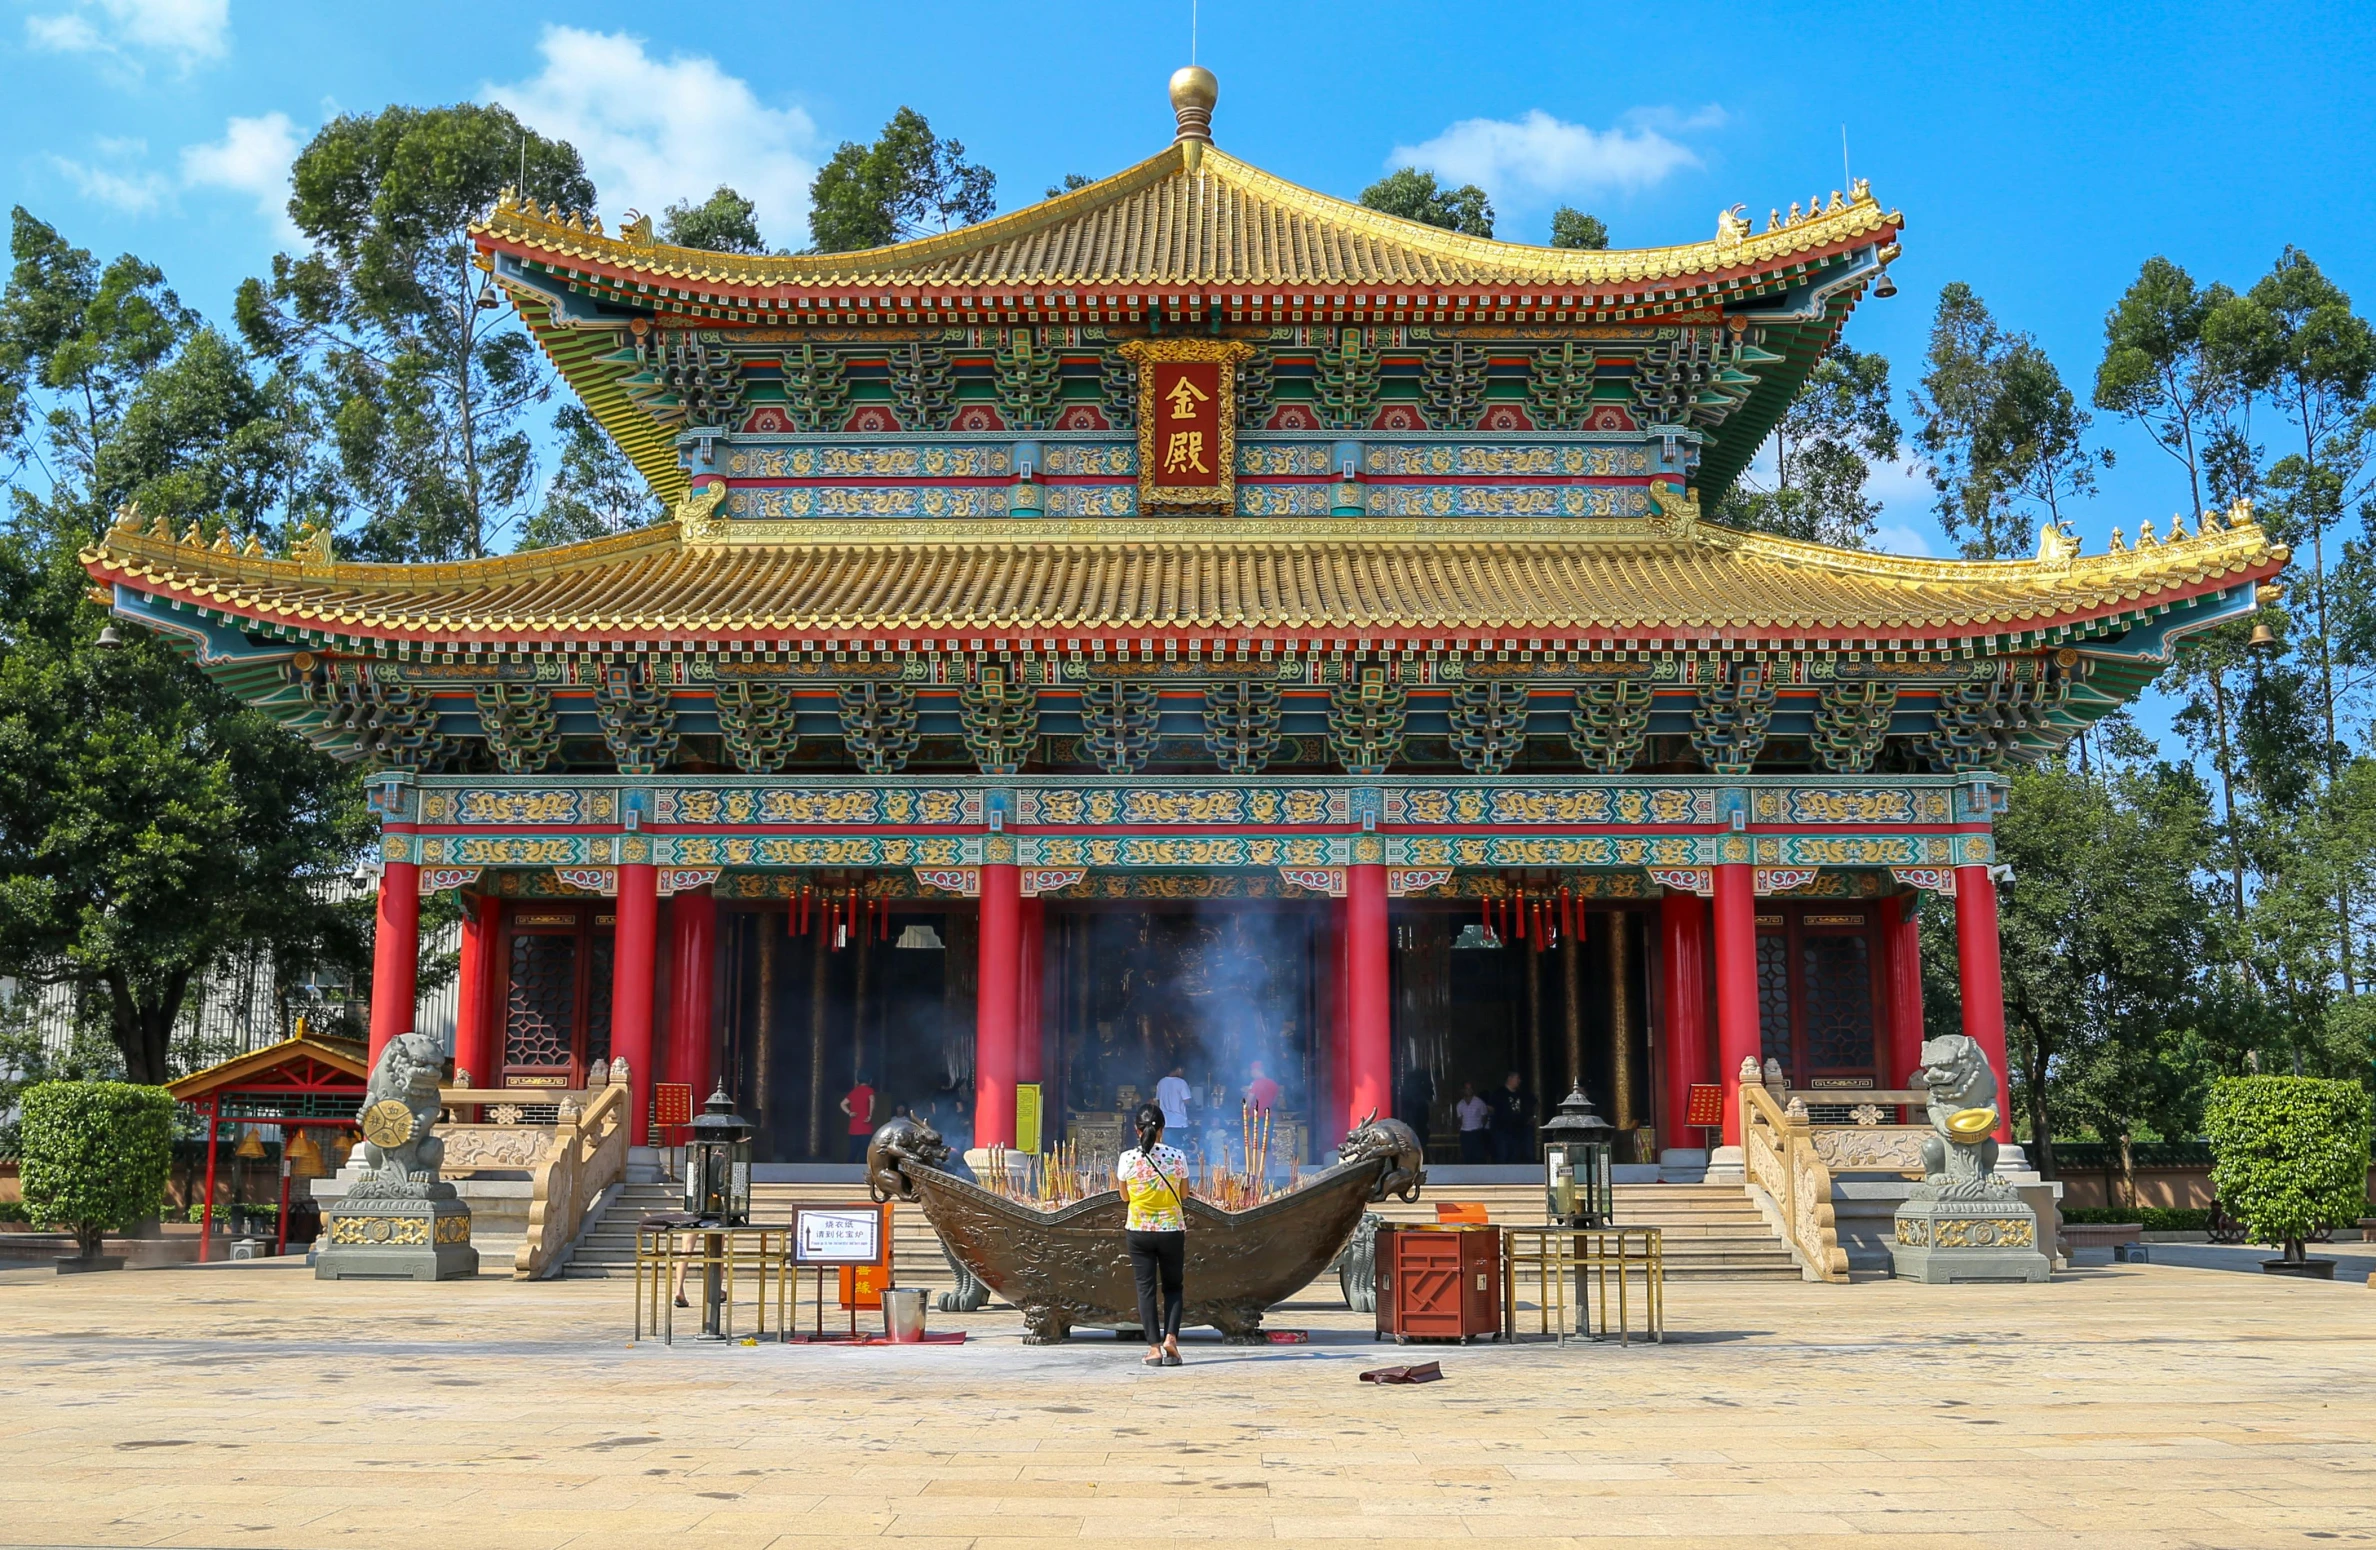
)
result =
(1159, 1264)
(1476, 1146)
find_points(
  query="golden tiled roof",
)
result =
(1161, 223)
(1636, 580)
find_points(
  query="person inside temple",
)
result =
(1476, 1125)
(1171, 1096)
(1513, 1121)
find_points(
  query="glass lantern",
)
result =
(718, 1165)
(1576, 1178)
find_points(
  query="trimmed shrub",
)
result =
(95, 1156)
(2292, 1154)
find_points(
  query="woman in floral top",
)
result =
(1154, 1181)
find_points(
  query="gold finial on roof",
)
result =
(1193, 93)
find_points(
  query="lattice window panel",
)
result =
(541, 1011)
(1773, 996)
(1836, 981)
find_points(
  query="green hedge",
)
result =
(95, 1156)
(2292, 1154)
(2151, 1218)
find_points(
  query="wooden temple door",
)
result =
(557, 993)
(1820, 990)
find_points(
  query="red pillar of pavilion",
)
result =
(997, 998)
(692, 933)
(1901, 938)
(1368, 1010)
(482, 922)
(1737, 1036)
(634, 952)
(395, 954)
(1982, 972)
(1033, 942)
(1685, 991)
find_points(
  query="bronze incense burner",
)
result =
(1068, 1267)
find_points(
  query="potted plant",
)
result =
(95, 1159)
(2290, 1156)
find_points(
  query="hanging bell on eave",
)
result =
(2263, 638)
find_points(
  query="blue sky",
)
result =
(2040, 153)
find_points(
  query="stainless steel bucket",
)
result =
(903, 1315)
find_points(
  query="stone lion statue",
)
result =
(898, 1145)
(1406, 1167)
(400, 1107)
(1961, 1154)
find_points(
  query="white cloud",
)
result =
(653, 132)
(1891, 539)
(135, 191)
(1536, 158)
(188, 32)
(252, 158)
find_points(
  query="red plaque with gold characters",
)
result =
(1187, 416)
(672, 1104)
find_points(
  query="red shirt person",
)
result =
(859, 1105)
(1262, 1092)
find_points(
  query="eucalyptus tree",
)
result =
(422, 380)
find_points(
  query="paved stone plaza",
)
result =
(2151, 1405)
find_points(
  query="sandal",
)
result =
(1171, 1359)
(1151, 1361)
(682, 1302)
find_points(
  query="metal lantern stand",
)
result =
(1578, 1187)
(717, 1194)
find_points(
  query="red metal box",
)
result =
(1439, 1283)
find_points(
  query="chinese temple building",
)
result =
(1187, 623)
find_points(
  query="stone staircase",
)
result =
(1712, 1231)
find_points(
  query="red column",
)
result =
(1368, 1006)
(481, 921)
(1901, 937)
(1737, 1036)
(692, 933)
(996, 1000)
(1685, 991)
(633, 953)
(214, 1106)
(1028, 1035)
(395, 954)
(280, 1226)
(1978, 965)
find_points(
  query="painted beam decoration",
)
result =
(1187, 419)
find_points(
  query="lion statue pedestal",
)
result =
(1963, 1223)
(399, 1222)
